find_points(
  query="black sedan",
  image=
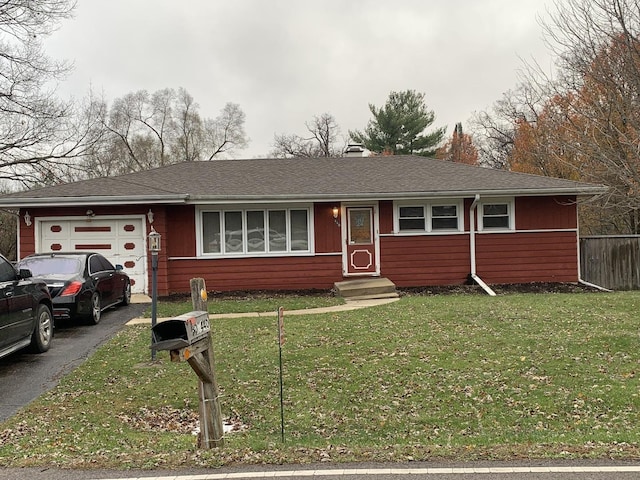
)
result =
(82, 284)
(25, 311)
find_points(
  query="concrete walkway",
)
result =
(349, 305)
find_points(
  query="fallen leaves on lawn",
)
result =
(168, 419)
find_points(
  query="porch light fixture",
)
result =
(335, 211)
(27, 219)
(150, 216)
(154, 241)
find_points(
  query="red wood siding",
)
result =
(257, 273)
(420, 260)
(411, 261)
(327, 233)
(181, 237)
(466, 205)
(27, 240)
(527, 257)
(266, 273)
(537, 213)
(386, 216)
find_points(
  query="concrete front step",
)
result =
(378, 296)
(366, 288)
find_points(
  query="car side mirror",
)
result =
(24, 273)
(119, 267)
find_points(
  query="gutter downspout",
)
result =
(472, 244)
(593, 285)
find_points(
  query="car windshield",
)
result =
(52, 265)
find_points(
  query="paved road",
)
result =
(24, 376)
(567, 470)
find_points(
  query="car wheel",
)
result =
(126, 295)
(96, 309)
(43, 331)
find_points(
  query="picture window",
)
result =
(251, 232)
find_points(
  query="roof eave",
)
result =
(590, 191)
(97, 200)
(200, 199)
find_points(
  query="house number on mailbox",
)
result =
(199, 325)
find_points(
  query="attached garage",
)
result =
(121, 239)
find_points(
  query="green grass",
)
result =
(246, 303)
(428, 377)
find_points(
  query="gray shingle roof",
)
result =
(381, 177)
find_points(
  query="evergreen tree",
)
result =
(399, 127)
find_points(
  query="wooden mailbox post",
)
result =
(188, 338)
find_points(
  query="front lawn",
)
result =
(239, 302)
(428, 377)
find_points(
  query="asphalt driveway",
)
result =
(25, 376)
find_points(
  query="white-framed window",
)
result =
(496, 215)
(254, 231)
(411, 217)
(445, 217)
(432, 217)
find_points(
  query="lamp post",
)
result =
(154, 248)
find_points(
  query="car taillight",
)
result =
(71, 289)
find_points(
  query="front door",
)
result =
(361, 242)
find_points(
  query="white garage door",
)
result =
(120, 239)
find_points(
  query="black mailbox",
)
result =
(181, 331)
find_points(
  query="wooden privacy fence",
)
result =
(611, 261)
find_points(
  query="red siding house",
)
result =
(296, 224)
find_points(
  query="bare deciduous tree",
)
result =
(144, 130)
(323, 140)
(598, 43)
(494, 131)
(8, 238)
(584, 123)
(142, 124)
(225, 134)
(38, 132)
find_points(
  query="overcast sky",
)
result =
(284, 61)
